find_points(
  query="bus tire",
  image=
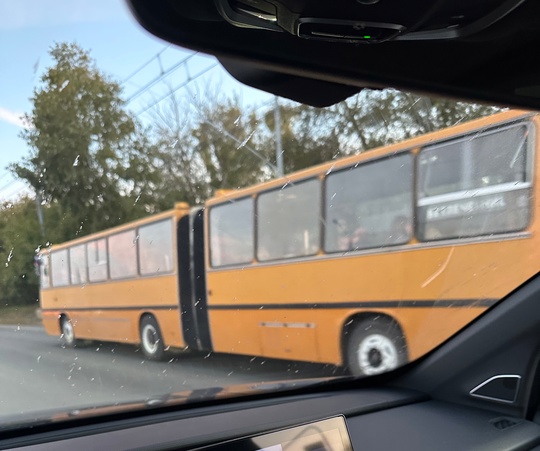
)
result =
(67, 333)
(151, 339)
(375, 346)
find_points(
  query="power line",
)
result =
(160, 77)
(180, 86)
(8, 184)
(135, 72)
(16, 192)
(3, 176)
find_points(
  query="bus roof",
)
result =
(378, 152)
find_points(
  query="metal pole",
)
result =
(277, 132)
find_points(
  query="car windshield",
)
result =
(170, 235)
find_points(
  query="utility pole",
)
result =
(277, 132)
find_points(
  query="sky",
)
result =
(28, 28)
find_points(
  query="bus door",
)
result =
(192, 280)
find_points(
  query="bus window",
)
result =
(475, 185)
(77, 260)
(122, 255)
(97, 260)
(288, 221)
(231, 233)
(59, 268)
(156, 248)
(44, 270)
(362, 212)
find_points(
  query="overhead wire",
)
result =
(19, 190)
(160, 77)
(7, 185)
(136, 71)
(180, 86)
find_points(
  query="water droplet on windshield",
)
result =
(9, 257)
(245, 141)
(330, 169)
(76, 162)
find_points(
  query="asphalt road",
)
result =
(38, 374)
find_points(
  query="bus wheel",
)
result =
(375, 346)
(151, 340)
(67, 333)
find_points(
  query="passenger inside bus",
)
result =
(401, 230)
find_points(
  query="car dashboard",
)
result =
(376, 419)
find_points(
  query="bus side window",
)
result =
(77, 259)
(156, 248)
(97, 260)
(474, 185)
(122, 255)
(289, 223)
(232, 233)
(43, 261)
(362, 212)
(59, 268)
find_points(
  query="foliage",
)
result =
(182, 173)
(309, 136)
(377, 118)
(20, 236)
(224, 142)
(83, 144)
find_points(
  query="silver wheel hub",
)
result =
(150, 338)
(67, 331)
(377, 354)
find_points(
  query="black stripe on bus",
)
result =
(367, 304)
(138, 307)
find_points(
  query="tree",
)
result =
(377, 118)
(19, 238)
(308, 134)
(183, 175)
(224, 139)
(83, 144)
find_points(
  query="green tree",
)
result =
(20, 236)
(225, 142)
(83, 145)
(308, 135)
(377, 118)
(182, 172)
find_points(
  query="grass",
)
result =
(24, 315)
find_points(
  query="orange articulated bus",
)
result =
(366, 261)
(117, 285)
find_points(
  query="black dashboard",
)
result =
(377, 419)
